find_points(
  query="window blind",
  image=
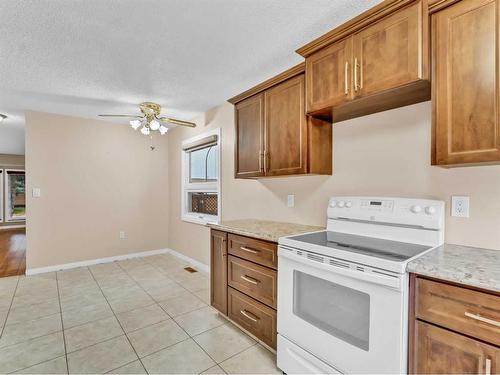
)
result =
(201, 143)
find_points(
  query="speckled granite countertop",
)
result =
(471, 266)
(263, 229)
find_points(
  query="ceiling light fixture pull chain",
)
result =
(152, 147)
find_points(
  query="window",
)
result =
(201, 178)
(15, 195)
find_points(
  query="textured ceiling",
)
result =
(85, 57)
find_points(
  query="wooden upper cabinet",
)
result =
(465, 83)
(249, 138)
(439, 351)
(218, 270)
(274, 137)
(388, 54)
(286, 129)
(329, 76)
(377, 61)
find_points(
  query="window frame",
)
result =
(7, 206)
(200, 187)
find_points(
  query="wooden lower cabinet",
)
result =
(218, 270)
(453, 329)
(440, 351)
(255, 317)
(256, 281)
(243, 284)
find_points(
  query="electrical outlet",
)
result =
(460, 206)
(290, 201)
(122, 235)
(37, 192)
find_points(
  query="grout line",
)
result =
(126, 364)
(121, 326)
(62, 325)
(36, 364)
(10, 307)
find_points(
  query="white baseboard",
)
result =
(86, 263)
(197, 264)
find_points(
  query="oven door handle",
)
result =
(379, 279)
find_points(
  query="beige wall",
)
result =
(385, 154)
(7, 160)
(96, 179)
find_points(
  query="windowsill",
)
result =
(199, 221)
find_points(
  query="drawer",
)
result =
(257, 251)
(471, 312)
(256, 318)
(257, 281)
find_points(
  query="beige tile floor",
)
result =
(138, 316)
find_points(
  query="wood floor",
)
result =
(12, 252)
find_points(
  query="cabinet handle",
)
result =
(249, 250)
(249, 315)
(346, 82)
(487, 367)
(356, 65)
(250, 279)
(482, 319)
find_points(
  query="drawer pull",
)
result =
(482, 319)
(250, 279)
(249, 315)
(249, 250)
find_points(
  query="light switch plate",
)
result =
(37, 193)
(290, 202)
(460, 206)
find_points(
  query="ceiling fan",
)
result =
(150, 119)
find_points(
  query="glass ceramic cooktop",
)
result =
(385, 249)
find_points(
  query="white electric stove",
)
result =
(343, 292)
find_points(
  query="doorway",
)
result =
(12, 220)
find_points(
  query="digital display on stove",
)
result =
(375, 203)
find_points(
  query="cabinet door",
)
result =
(249, 137)
(286, 128)
(389, 53)
(328, 76)
(218, 270)
(465, 83)
(439, 351)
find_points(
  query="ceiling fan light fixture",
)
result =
(154, 124)
(145, 130)
(135, 124)
(163, 130)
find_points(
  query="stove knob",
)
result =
(333, 204)
(416, 209)
(341, 204)
(348, 204)
(430, 210)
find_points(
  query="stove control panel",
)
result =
(416, 212)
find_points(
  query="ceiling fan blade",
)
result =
(177, 122)
(129, 116)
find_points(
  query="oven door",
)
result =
(354, 321)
